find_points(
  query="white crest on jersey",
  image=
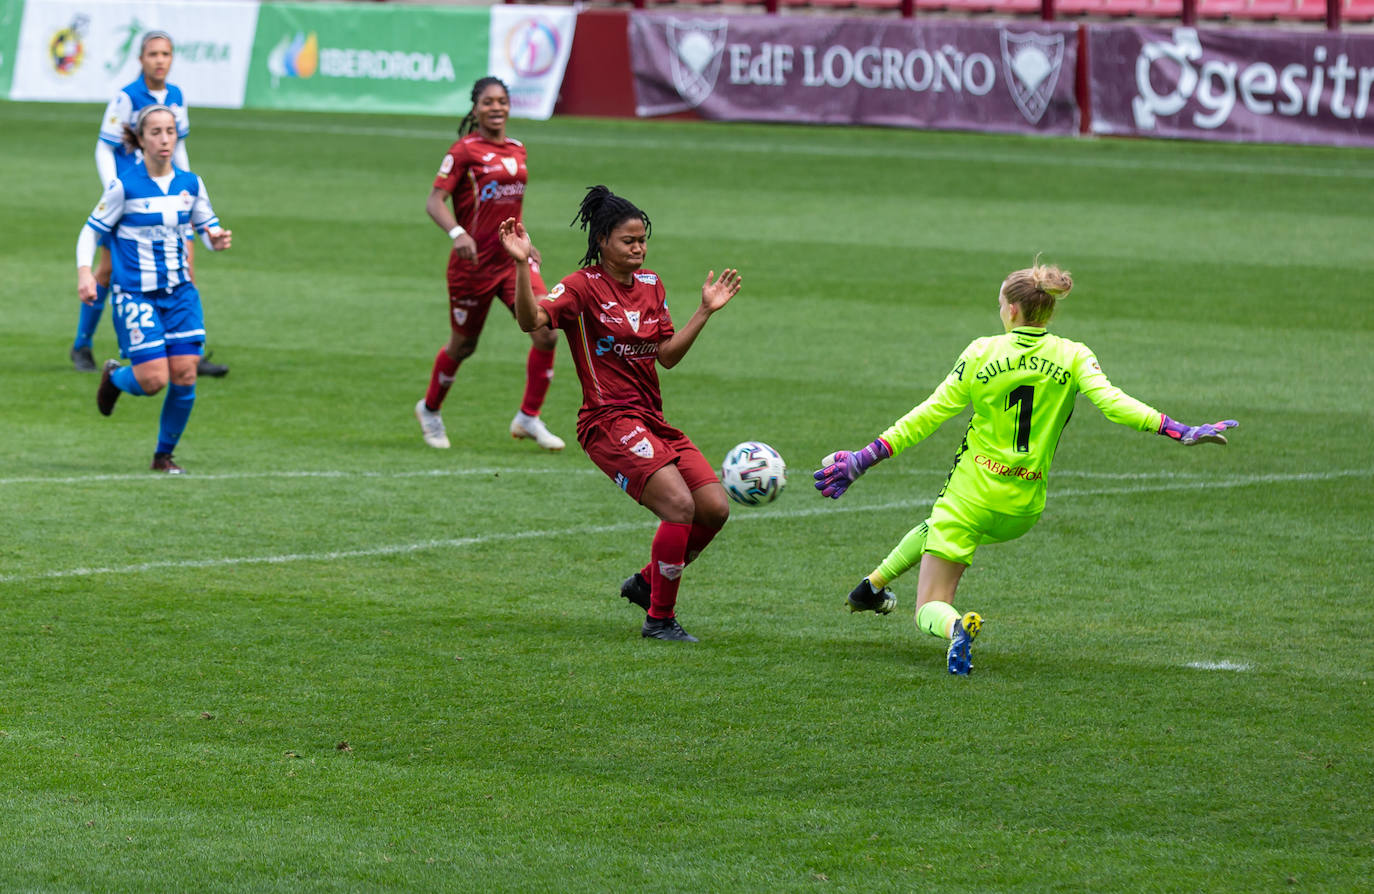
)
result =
(642, 448)
(511, 165)
(633, 317)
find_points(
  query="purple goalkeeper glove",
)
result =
(1188, 435)
(841, 468)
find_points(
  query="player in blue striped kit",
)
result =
(148, 212)
(113, 157)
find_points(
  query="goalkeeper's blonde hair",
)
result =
(1036, 290)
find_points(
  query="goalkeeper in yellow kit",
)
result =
(1022, 387)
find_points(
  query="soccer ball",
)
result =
(753, 473)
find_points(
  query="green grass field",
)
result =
(333, 659)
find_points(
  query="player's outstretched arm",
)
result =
(715, 294)
(843, 467)
(516, 241)
(1189, 435)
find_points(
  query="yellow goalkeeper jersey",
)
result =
(1022, 387)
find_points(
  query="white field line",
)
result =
(1034, 153)
(740, 516)
(966, 153)
(1219, 665)
(794, 475)
(322, 473)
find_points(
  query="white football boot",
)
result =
(523, 426)
(431, 426)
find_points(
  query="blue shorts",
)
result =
(165, 323)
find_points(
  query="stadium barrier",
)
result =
(1027, 76)
(289, 55)
(1188, 12)
(1272, 85)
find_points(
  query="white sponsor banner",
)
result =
(528, 49)
(86, 51)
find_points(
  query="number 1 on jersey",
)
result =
(1022, 397)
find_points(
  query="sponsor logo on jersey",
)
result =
(1031, 63)
(605, 344)
(607, 318)
(637, 430)
(643, 449)
(1007, 471)
(633, 317)
(555, 292)
(494, 190)
(445, 166)
(607, 305)
(590, 275)
(488, 157)
(647, 278)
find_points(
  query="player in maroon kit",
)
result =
(484, 174)
(618, 325)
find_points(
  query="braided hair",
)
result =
(601, 212)
(469, 122)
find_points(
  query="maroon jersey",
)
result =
(487, 181)
(614, 332)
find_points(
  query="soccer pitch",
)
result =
(333, 659)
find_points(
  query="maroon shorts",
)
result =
(631, 448)
(470, 295)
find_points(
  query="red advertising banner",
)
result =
(808, 69)
(1264, 86)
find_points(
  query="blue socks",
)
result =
(125, 380)
(176, 409)
(90, 318)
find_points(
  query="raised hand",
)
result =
(716, 293)
(1188, 435)
(515, 239)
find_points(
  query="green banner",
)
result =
(11, 14)
(354, 57)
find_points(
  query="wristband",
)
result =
(456, 231)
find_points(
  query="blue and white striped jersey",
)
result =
(124, 108)
(150, 223)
